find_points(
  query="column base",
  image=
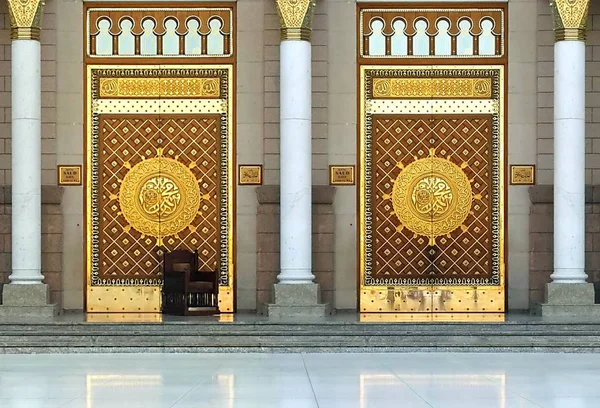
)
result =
(570, 300)
(26, 301)
(293, 301)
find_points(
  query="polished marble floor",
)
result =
(415, 380)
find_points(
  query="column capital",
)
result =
(570, 19)
(25, 19)
(295, 19)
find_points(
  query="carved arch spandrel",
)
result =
(387, 17)
(162, 17)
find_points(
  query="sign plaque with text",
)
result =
(523, 175)
(341, 175)
(69, 175)
(250, 175)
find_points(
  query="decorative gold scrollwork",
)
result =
(295, 19)
(482, 87)
(432, 196)
(432, 87)
(25, 19)
(570, 19)
(159, 197)
(109, 87)
(160, 87)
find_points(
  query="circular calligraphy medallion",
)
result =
(381, 87)
(432, 197)
(159, 197)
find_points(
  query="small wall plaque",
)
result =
(69, 175)
(522, 174)
(250, 175)
(341, 175)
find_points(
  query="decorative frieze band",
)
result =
(160, 87)
(570, 19)
(295, 19)
(25, 19)
(429, 106)
(432, 88)
(160, 106)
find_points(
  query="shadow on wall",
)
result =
(541, 236)
(52, 239)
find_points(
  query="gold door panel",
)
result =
(432, 189)
(159, 187)
(159, 178)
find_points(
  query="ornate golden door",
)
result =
(160, 153)
(431, 204)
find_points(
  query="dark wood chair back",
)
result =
(177, 267)
(186, 290)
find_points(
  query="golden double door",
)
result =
(159, 179)
(431, 215)
(432, 189)
(160, 149)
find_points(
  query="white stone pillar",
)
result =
(26, 163)
(296, 162)
(296, 296)
(295, 142)
(569, 162)
(26, 142)
(569, 143)
(26, 295)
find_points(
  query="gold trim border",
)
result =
(376, 298)
(227, 281)
(25, 33)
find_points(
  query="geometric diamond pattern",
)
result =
(124, 252)
(406, 138)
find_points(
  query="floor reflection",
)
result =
(412, 380)
(97, 385)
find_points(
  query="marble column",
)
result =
(26, 295)
(569, 141)
(295, 141)
(569, 162)
(26, 142)
(296, 295)
(569, 294)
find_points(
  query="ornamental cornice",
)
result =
(25, 19)
(295, 19)
(570, 19)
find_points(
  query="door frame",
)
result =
(419, 298)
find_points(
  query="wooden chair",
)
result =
(203, 292)
(187, 291)
(177, 266)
